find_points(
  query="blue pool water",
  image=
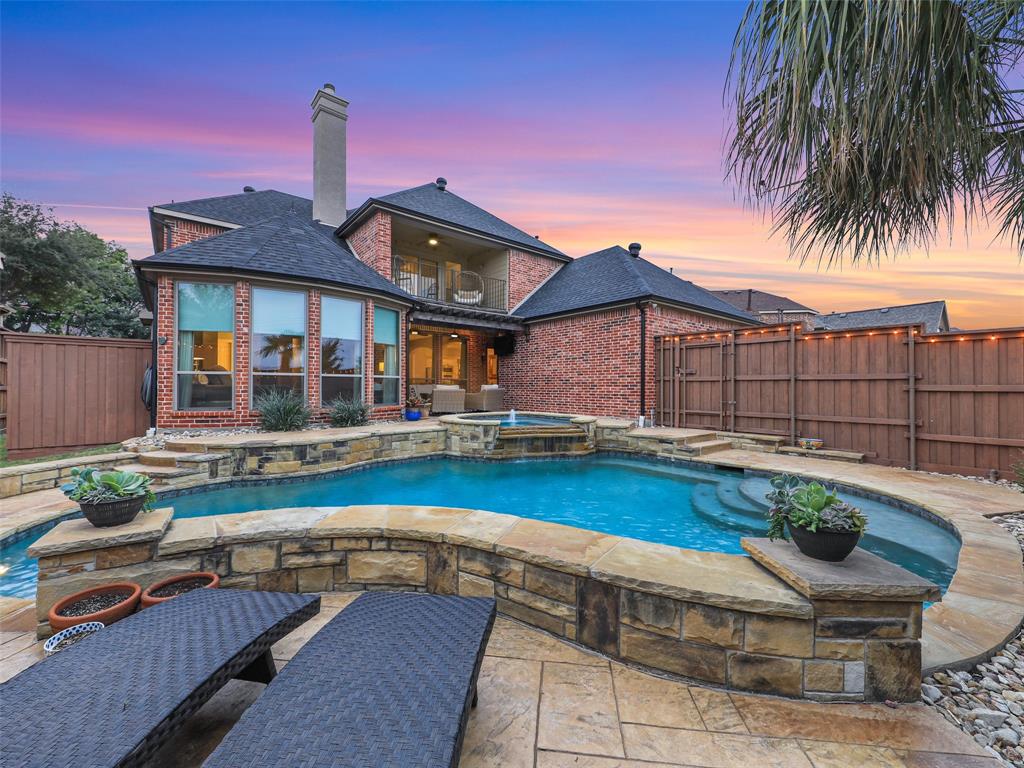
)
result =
(526, 421)
(670, 504)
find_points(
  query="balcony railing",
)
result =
(458, 287)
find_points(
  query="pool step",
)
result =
(705, 502)
(753, 489)
(729, 496)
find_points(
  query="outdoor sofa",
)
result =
(448, 398)
(114, 698)
(491, 397)
(389, 681)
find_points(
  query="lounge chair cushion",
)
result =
(387, 682)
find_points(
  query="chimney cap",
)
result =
(441, 182)
(247, 188)
(329, 87)
(634, 250)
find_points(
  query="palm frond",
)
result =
(863, 126)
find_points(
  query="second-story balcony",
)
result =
(449, 283)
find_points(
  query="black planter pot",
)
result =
(112, 512)
(830, 546)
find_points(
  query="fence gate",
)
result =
(950, 402)
(67, 392)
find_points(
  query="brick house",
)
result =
(264, 290)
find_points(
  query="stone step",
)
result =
(824, 453)
(710, 446)
(184, 447)
(167, 458)
(158, 474)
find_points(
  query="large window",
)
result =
(278, 341)
(421, 357)
(437, 358)
(385, 356)
(206, 346)
(341, 349)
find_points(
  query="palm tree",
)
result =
(861, 127)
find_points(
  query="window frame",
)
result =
(398, 358)
(252, 333)
(361, 376)
(177, 342)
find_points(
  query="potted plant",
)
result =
(412, 408)
(169, 588)
(109, 498)
(822, 525)
(106, 604)
(811, 443)
(68, 637)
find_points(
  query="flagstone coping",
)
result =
(80, 535)
(21, 513)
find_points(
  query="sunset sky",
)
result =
(588, 124)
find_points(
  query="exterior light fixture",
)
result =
(433, 240)
(414, 333)
(454, 335)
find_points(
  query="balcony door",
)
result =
(437, 358)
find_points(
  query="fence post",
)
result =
(732, 382)
(912, 395)
(792, 384)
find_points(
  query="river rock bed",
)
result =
(987, 701)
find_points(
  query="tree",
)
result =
(861, 127)
(60, 278)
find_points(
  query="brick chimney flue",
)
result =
(330, 117)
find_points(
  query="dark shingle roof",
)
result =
(245, 208)
(444, 206)
(930, 314)
(612, 276)
(289, 244)
(753, 300)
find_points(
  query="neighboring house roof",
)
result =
(614, 276)
(435, 202)
(244, 208)
(931, 314)
(753, 300)
(290, 244)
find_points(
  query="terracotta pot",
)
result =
(106, 617)
(147, 596)
(830, 546)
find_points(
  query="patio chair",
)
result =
(448, 398)
(491, 397)
(115, 697)
(387, 682)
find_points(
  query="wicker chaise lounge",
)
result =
(387, 682)
(115, 697)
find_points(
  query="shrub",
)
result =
(349, 413)
(95, 487)
(282, 410)
(811, 506)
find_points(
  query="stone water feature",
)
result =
(510, 435)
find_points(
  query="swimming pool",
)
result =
(666, 503)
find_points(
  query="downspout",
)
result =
(643, 358)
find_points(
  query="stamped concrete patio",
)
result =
(545, 703)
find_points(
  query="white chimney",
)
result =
(330, 115)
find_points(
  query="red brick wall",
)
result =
(591, 363)
(241, 415)
(525, 272)
(182, 231)
(372, 242)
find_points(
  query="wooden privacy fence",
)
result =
(67, 392)
(948, 402)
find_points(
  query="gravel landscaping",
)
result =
(988, 701)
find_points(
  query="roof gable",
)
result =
(437, 203)
(244, 208)
(288, 245)
(614, 276)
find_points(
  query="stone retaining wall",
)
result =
(38, 476)
(715, 618)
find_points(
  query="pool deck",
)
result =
(545, 703)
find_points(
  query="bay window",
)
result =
(341, 349)
(385, 356)
(278, 347)
(205, 314)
